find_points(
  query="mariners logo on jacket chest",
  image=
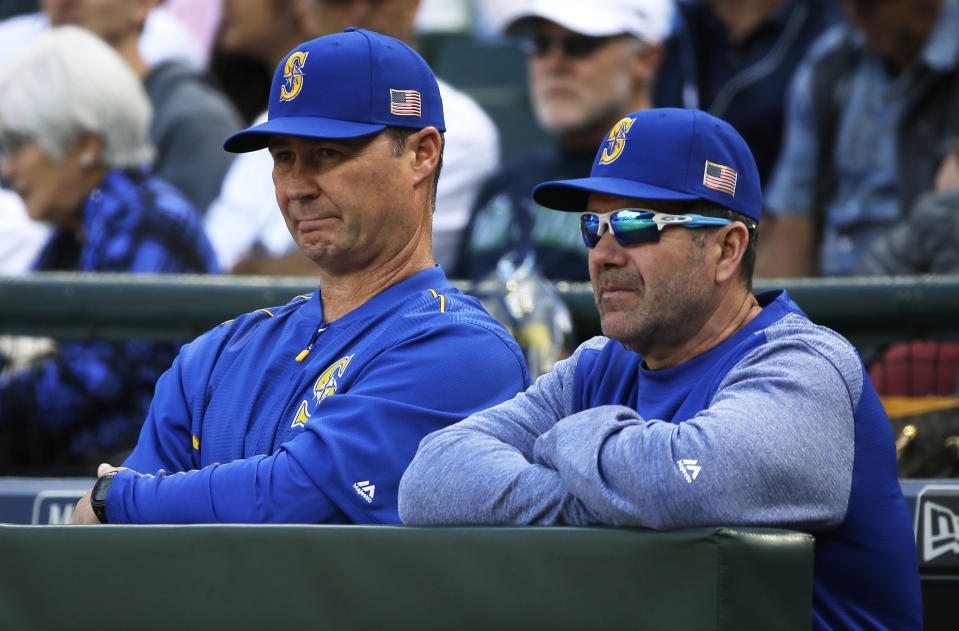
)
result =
(324, 386)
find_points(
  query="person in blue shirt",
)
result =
(734, 59)
(77, 151)
(869, 116)
(309, 412)
(704, 404)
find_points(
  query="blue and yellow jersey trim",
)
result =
(267, 311)
(442, 300)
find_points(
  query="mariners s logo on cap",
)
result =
(616, 141)
(293, 76)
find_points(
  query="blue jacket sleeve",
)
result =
(166, 438)
(346, 465)
(764, 453)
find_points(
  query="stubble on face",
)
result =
(659, 311)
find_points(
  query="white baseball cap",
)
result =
(649, 20)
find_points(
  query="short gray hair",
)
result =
(67, 83)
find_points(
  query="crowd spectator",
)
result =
(77, 153)
(263, 245)
(589, 63)
(163, 40)
(244, 222)
(734, 59)
(927, 242)
(870, 114)
(164, 36)
(191, 116)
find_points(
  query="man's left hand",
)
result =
(83, 513)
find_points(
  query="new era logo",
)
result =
(365, 490)
(937, 527)
(690, 469)
(405, 103)
(940, 532)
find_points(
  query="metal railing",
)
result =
(178, 307)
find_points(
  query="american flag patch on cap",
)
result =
(405, 103)
(720, 178)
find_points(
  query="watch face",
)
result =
(101, 487)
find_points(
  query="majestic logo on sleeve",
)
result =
(324, 387)
(689, 468)
(616, 141)
(366, 490)
(293, 76)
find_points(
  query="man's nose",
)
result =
(607, 251)
(301, 183)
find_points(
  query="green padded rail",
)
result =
(391, 577)
(172, 307)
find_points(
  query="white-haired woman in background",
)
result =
(74, 145)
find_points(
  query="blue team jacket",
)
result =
(240, 431)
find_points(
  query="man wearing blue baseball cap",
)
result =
(704, 404)
(309, 412)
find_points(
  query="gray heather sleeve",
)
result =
(481, 470)
(774, 448)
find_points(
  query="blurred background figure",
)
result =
(589, 63)
(165, 36)
(734, 59)
(870, 114)
(201, 19)
(266, 29)
(244, 222)
(75, 146)
(191, 117)
(927, 242)
(164, 39)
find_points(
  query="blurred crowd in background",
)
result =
(113, 114)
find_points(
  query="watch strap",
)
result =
(98, 497)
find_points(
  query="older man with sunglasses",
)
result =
(704, 404)
(587, 63)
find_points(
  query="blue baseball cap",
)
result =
(346, 85)
(666, 154)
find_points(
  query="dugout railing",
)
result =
(867, 310)
(382, 577)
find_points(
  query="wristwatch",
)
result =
(98, 498)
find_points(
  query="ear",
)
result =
(732, 241)
(427, 147)
(90, 150)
